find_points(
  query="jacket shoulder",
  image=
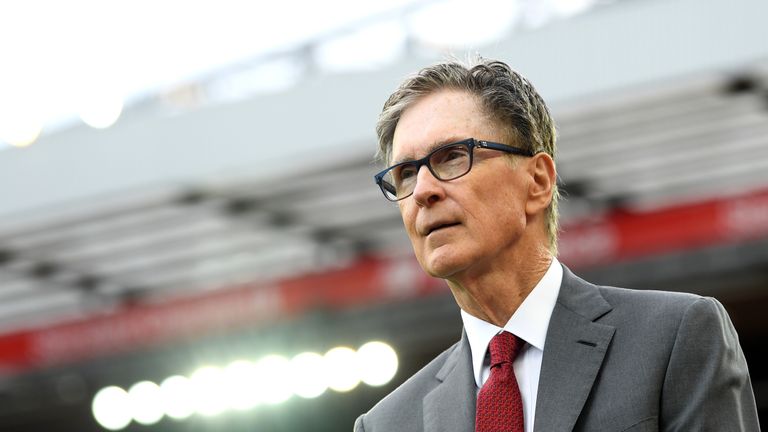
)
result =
(655, 309)
(648, 297)
(403, 406)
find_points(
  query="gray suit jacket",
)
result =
(614, 360)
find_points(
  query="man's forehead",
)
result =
(436, 119)
(419, 150)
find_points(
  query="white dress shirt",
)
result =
(529, 322)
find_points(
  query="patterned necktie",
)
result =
(499, 405)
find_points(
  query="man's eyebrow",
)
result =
(432, 147)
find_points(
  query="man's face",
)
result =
(469, 225)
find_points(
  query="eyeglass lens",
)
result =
(445, 163)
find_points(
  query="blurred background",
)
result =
(190, 235)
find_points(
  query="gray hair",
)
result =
(507, 97)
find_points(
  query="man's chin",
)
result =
(442, 266)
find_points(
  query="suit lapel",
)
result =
(573, 353)
(451, 405)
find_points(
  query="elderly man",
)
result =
(470, 151)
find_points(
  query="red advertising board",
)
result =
(617, 236)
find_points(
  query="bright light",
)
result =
(341, 367)
(243, 385)
(208, 390)
(101, 109)
(377, 363)
(111, 409)
(274, 387)
(146, 402)
(20, 128)
(572, 7)
(308, 378)
(21, 110)
(241, 378)
(177, 398)
(447, 24)
(368, 48)
(268, 77)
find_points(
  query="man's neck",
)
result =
(495, 294)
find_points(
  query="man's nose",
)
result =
(428, 189)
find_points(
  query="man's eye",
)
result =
(450, 155)
(455, 154)
(407, 172)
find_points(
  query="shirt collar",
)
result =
(529, 322)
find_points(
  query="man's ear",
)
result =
(543, 181)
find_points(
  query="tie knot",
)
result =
(504, 348)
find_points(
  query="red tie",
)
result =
(499, 405)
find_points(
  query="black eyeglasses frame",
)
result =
(471, 144)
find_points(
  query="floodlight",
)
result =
(177, 398)
(275, 384)
(341, 367)
(241, 378)
(101, 108)
(111, 408)
(377, 363)
(308, 378)
(208, 390)
(145, 402)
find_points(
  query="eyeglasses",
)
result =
(447, 162)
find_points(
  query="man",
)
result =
(470, 153)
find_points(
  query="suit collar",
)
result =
(451, 405)
(529, 322)
(574, 352)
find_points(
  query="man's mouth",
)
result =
(441, 226)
